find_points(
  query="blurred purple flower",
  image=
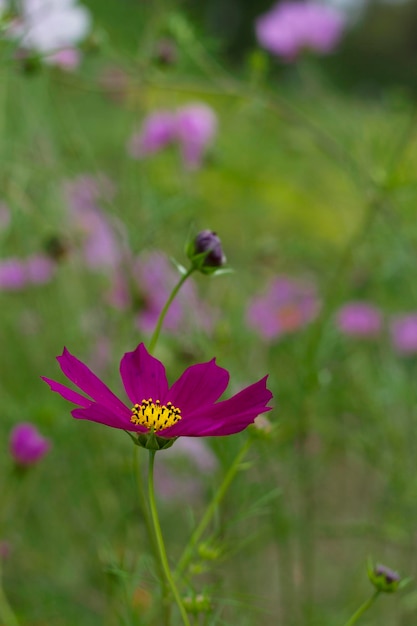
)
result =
(359, 319)
(193, 127)
(146, 283)
(196, 126)
(84, 194)
(404, 333)
(16, 274)
(158, 130)
(12, 274)
(27, 446)
(291, 27)
(287, 306)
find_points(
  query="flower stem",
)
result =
(361, 610)
(160, 542)
(211, 509)
(7, 617)
(164, 311)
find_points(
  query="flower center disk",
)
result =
(155, 416)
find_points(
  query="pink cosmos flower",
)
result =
(27, 446)
(192, 127)
(287, 306)
(359, 319)
(291, 27)
(404, 333)
(187, 408)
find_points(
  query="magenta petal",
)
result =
(87, 381)
(200, 385)
(227, 417)
(103, 415)
(143, 376)
(67, 393)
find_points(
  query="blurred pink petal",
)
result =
(359, 319)
(289, 28)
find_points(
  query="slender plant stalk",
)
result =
(160, 542)
(7, 617)
(155, 336)
(361, 610)
(211, 509)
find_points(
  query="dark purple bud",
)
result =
(383, 578)
(208, 247)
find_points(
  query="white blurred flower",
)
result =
(49, 27)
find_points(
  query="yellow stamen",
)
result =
(155, 416)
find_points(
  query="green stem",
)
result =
(7, 617)
(211, 509)
(148, 522)
(361, 610)
(160, 542)
(164, 311)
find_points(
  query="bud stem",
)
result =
(164, 311)
(361, 610)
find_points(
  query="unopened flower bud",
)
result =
(384, 579)
(206, 252)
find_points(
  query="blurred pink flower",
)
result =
(27, 446)
(145, 284)
(158, 130)
(67, 59)
(12, 274)
(404, 333)
(359, 319)
(287, 306)
(100, 247)
(291, 27)
(193, 127)
(16, 274)
(196, 126)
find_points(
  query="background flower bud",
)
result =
(206, 252)
(384, 579)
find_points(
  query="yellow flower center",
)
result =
(155, 416)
